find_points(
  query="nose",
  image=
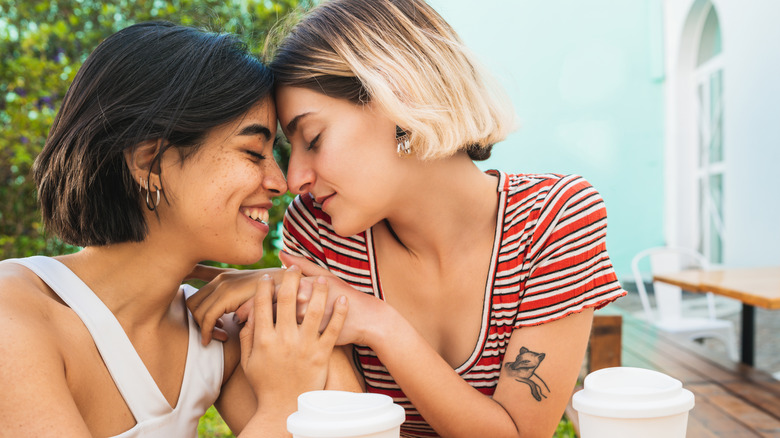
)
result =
(273, 181)
(300, 174)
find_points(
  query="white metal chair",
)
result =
(668, 315)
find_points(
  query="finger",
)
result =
(240, 285)
(286, 298)
(242, 313)
(208, 314)
(220, 335)
(205, 272)
(263, 312)
(309, 268)
(316, 308)
(276, 273)
(246, 338)
(305, 290)
(218, 304)
(336, 324)
(197, 298)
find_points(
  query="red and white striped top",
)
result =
(549, 260)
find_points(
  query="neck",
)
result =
(450, 206)
(138, 282)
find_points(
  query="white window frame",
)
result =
(709, 223)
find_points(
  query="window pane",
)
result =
(710, 42)
(703, 128)
(716, 117)
(700, 217)
(716, 217)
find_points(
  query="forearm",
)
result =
(267, 424)
(443, 398)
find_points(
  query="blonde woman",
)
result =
(474, 291)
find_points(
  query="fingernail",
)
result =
(322, 280)
(294, 268)
(342, 300)
(235, 319)
(266, 277)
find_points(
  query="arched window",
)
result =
(708, 77)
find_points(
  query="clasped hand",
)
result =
(231, 291)
(273, 332)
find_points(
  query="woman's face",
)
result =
(343, 154)
(220, 195)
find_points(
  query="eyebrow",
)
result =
(256, 129)
(293, 125)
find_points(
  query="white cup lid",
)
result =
(626, 392)
(343, 414)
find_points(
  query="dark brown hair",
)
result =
(150, 81)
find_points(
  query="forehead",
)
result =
(262, 113)
(294, 101)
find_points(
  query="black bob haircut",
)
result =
(150, 81)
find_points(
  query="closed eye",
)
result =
(313, 143)
(256, 155)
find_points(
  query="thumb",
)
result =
(308, 268)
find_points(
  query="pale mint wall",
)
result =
(585, 78)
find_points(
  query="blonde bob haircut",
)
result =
(403, 57)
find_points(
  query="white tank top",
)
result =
(154, 416)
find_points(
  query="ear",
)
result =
(141, 160)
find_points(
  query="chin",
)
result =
(348, 229)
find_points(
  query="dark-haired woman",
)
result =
(160, 157)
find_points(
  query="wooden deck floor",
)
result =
(732, 400)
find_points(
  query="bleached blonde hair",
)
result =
(402, 56)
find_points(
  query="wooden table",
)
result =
(752, 286)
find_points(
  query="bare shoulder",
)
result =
(36, 398)
(26, 306)
(21, 290)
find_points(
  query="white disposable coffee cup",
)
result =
(632, 402)
(340, 414)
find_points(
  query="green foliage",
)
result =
(211, 425)
(565, 429)
(43, 44)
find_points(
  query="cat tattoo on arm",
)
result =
(523, 369)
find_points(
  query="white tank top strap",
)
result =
(130, 375)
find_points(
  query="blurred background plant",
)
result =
(43, 45)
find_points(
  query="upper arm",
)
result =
(539, 370)
(36, 399)
(569, 268)
(570, 274)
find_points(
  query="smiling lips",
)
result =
(256, 214)
(321, 200)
